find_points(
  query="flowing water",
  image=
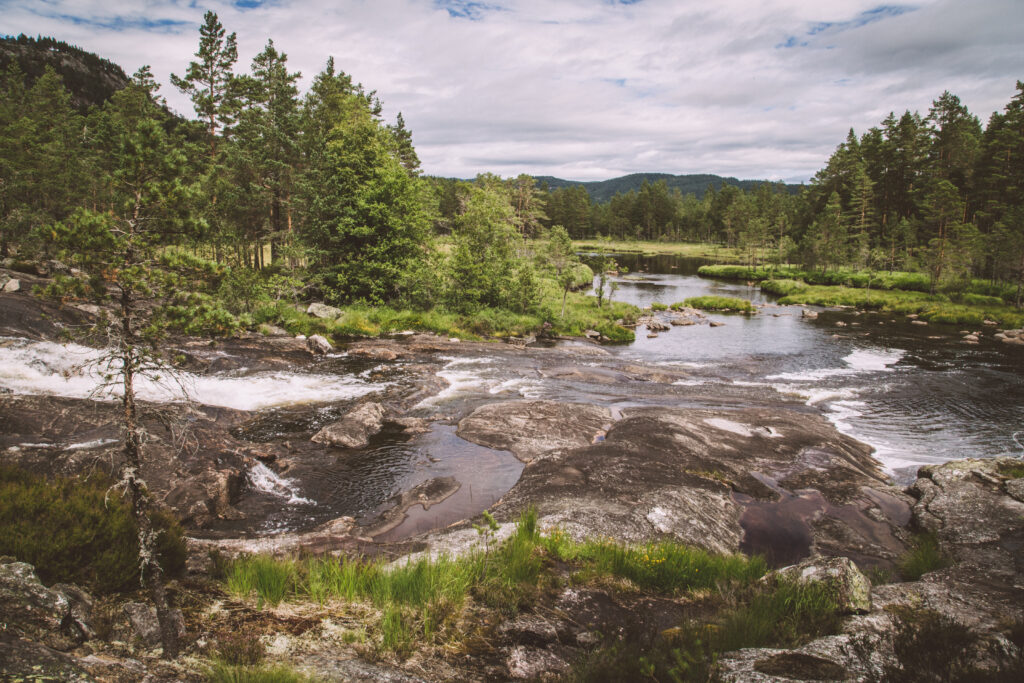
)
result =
(917, 394)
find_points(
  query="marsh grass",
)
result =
(222, 672)
(936, 308)
(924, 556)
(665, 566)
(724, 304)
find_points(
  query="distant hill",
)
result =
(90, 79)
(696, 184)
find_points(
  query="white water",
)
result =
(264, 479)
(73, 371)
(479, 376)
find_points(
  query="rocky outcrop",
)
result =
(46, 615)
(850, 587)
(532, 429)
(774, 481)
(320, 310)
(318, 344)
(355, 429)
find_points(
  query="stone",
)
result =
(529, 629)
(852, 588)
(30, 609)
(414, 425)
(918, 322)
(11, 286)
(525, 663)
(971, 338)
(318, 344)
(526, 428)
(142, 618)
(323, 311)
(591, 334)
(840, 323)
(810, 315)
(715, 323)
(355, 429)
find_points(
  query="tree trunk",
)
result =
(149, 566)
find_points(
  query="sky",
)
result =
(595, 89)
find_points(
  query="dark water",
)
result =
(918, 394)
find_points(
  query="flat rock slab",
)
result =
(530, 429)
(692, 475)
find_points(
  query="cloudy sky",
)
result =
(593, 89)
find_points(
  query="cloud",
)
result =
(590, 89)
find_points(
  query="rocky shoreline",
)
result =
(709, 467)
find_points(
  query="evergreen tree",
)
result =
(119, 248)
(209, 82)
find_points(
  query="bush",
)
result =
(77, 531)
(222, 672)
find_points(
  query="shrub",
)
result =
(78, 531)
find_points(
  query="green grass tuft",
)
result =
(924, 556)
(724, 304)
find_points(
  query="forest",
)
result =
(270, 196)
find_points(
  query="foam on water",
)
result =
(859, 362)
(481, 376)
(73, 371)
(264, 479)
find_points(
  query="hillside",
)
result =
(90, 79)
(696, 184)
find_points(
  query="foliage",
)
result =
(222, 672)
(79, 531)
(665, 567)
(719, 303)
(924, 556)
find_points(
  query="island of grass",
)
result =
(721, 304)
(963, 309)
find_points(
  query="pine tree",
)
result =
(209, 82)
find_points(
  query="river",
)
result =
(917, 394)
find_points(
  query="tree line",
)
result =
(938, 193)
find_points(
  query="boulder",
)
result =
(11, 286)
(355, 429)
(851, 587)
(30, 609)
(142, 618)
(323, 311)
(810, 315)
(318, 344)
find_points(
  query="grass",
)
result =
(684, 249)
(1012, 470)
(77, 530)
(924, 556)
(663, 567)
(418, 602)
(783, 616)
(221, 672)
(936, 308)
(725, 304)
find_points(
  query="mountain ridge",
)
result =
(694, 183)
